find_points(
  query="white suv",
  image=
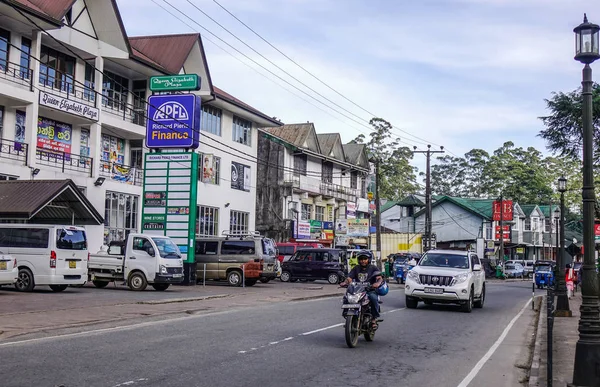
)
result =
(446, 276)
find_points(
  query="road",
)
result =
(293, 344)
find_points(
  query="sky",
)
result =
(462, 74)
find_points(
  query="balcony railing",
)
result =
(65, 161)
(122, 173)
(13, 150)
(339, 192)
(127, 112)
(318, 187)
(64, 85)
(16, 73)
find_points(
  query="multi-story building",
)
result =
(307, 182)
(73, 106)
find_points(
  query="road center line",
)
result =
(322, 329)
(465, 382)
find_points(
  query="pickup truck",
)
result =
(138, 261)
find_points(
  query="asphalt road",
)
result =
(285, 344)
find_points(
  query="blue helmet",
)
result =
(383, 289)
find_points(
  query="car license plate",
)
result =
(434, 290)
(3, 265)
(350, 306)
(72, 264)
(177, 275)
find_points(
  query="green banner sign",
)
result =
(175, 82)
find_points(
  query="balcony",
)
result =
(64, 85)
(317, 187)
(130, 113)
(65, 161)
(122, 173)
(12, 150)
(17, 74)
(339, 192)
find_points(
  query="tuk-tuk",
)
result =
(401, 265)
(544, 273)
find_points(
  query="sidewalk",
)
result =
(565, 336)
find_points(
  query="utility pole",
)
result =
(428, 153)
(501, 231)
(378, 213)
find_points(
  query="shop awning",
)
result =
(46, 202)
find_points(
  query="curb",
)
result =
(177, 300)
(537, 351)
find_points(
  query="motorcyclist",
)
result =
(363, 272)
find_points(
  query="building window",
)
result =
(547, 225)
(527, 224)
(516, 225)
(242, 131)
(488, 232)
(120, 216)
(238, 222)
(57, 70)
(25, 57)
(320, 213)
(327, 172)
(114, 91)
(354, 180)
(4, 41)
(208, 221)
(7, 177)
(209, 169)
(306, 211)
(1, 120)
(211, 120)
(139, 102)
(89, 83)
(300, 165)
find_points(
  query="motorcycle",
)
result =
(356, 309)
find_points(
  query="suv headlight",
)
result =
(460, 278)
(163, 269)
(413, 275)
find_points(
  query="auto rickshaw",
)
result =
(544, 274)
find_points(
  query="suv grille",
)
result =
(435, 280)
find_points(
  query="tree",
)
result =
(397, 176)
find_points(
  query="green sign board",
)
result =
(170, 197)
(175, 82)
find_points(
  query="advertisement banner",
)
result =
(240, 176)
(20, 126)
(350, 210)
(303, 230)
(358, 227)
(327, 235)
(327, 225)
(53, 135)
(341, 226)
(363, 205)
(208, 174)
(505, 208)
(173, 121)
(316, 226)
(122, 173)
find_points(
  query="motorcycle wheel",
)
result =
(351, 330)
(369, 334)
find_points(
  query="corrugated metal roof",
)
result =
(46, 201)
(168, 51)
(55, 9)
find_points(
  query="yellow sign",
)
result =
(370, 195)
(520, 250)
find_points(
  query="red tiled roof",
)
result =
(55, 9)
(167, 51)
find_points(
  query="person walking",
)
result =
(569, 278)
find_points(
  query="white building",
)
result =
(72, 106)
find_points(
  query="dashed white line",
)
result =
(322, 329)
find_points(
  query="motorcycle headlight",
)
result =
(353, 298)
(460, 278)
(163, 269)
(413, 275)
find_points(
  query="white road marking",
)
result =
(322, 329)
(465, 382)
(129, 383)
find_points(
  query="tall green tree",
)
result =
(397, 176)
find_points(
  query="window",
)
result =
(4, 41)
(57, 70)
(354, 180)
(547, 225)
(90, 83)
(208, 221)
(209, 169)
(211, 120)
(320, 213)
(238, 248)
(114, 91)
(120, 216)
(71, 239)
(136, 157)
(242, 131)
(238, 222)
(327, 172)
(300, 165)
(207, 248)
(306, 211)
(1, 120)
(140, 244)
(25, 57)
(139, 102)
(534, 224)
(527, 224)
(488, 232)
(516, 225)
(33, 238)
(363, 188)
(7, 177)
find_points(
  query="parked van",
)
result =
(51, 255)
(286, 249)
(236, 256)
(8, 269)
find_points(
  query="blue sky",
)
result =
(460, 73)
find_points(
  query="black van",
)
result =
(313, 264)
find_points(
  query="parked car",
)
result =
(285, 250)
(314, 264)
(9, 272)
(528, 268)
(513, 270)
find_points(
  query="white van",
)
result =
(8, 269)
(51, 255)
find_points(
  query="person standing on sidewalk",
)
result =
(569, 277)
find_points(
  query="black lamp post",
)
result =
(587, 352)
(562, 301)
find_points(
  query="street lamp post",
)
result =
(587, 352)
(562, 301)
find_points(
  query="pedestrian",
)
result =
(569, 277)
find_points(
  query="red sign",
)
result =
(597, 229)
(505, 208)
(504, 228)
(506, 236)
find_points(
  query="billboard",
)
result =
(173, 121)
(358, 228)
(240, 176)
(505, 209)
(53, 135)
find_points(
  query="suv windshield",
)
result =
(166, 248)
(445, 260)
(67, 239)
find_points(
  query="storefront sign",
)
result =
(303, 230)
(520, 250)
(175, 82)
(173, 121)
(350, 210)
(358, 227)
(327, 235)
(341, 226)
(505, 209)
(68, 106)
(327, 225)
(178, 211)
(363, 205)
(240, 176)
(54, 136)
(316, 226)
